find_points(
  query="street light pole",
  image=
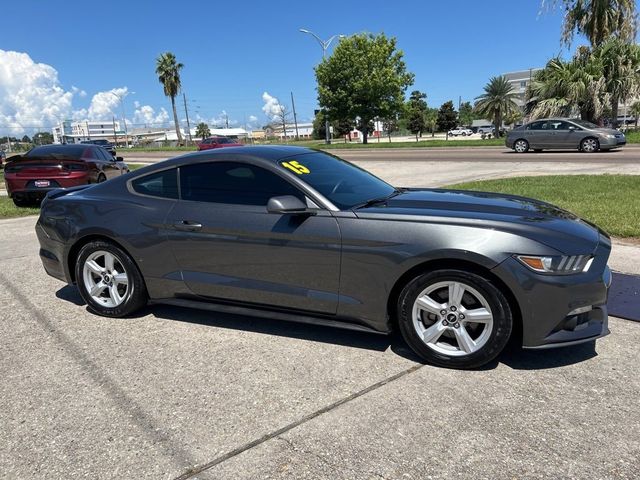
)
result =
(324, 44)
(124, 118)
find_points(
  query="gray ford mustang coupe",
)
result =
(297, 234)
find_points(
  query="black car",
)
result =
(108, 146)
(298, 234)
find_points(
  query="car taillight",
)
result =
(11, 169)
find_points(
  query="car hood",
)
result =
(531, 218)
(609, 131)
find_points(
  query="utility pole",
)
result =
(295, 118)
(226, 119)
(88, 134)
(186, 112)
(115, 135)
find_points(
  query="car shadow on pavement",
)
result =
(514, 357)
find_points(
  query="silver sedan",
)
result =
(562, 134)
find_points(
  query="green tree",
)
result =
(466, 115)
(365, 78)
(41, 138)
(568, 88)
(599, 20)
(497, 101)
(414, 111)
(620, 63)
(431, 120)
(447, 117)
(635, 111)
(202, 130)
(26, 139)
(391, 125)
(168, 71)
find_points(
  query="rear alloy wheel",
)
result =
(521, 146)
(108, 280)
(589, 145)
(454, 318)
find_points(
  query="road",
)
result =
(431, 167)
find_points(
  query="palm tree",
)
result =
(599, 20)
(569, 88)
(497, 101)
(621, 71)
(635, 111)
(168, 71)
(202, 130)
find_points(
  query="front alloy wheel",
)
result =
(454, 318)
(589, 145)
(521, 146)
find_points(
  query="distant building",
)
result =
(519, 82)
(69, 131)
(305, 130)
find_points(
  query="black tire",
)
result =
(136, 295)
(102, 178)
(586, 145)
(500, 331)
(21, 203)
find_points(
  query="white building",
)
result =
(519, 82)
(305, 130)
(69, 131)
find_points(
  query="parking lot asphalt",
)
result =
(176, 393)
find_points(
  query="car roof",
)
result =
(268, 153)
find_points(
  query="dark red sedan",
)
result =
(218, 142)
(29, 177)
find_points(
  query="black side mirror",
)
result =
(119, 159)
(287, 204)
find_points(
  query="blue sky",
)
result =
(234, 52)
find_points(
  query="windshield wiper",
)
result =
(374, 201)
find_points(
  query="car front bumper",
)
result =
(560, 310)
(608, 143)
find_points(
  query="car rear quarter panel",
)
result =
(135, 223)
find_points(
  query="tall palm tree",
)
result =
(621, 71)
(168, 71)
(599, 20)
(497, 101)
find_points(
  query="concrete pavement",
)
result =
(177, 393)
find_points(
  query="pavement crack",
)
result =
(277, 433)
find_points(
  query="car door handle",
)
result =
(187, 226)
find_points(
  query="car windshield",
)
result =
(224, 140)
(344, 184)
(57, 151)
(585, 124)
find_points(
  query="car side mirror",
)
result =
(287, 204)
(119, 159)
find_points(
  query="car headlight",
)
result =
(558, 264)
(608, 135)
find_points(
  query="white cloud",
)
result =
(253, 119)
(104, 105)
(30, 94)
(146, 114)
(272, 106)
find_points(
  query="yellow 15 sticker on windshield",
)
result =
(296, 167)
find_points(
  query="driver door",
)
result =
(229, 247)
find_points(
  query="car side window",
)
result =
(103, 155)
(232, 183)
(538, 126)
(162, 184)
(90, 153)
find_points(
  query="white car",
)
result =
(460, 131)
